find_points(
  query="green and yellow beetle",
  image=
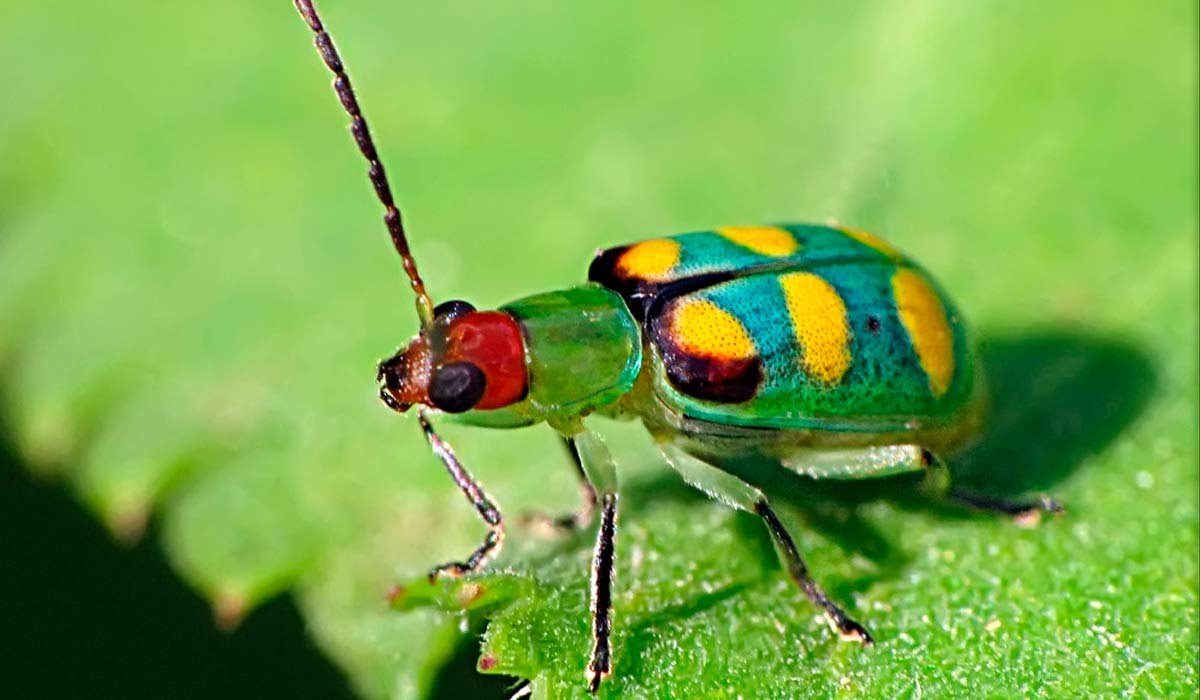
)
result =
(819, 347)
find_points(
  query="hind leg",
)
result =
(1024, 512)
(732, 491)
(887, 460)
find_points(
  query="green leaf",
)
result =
(195, 285)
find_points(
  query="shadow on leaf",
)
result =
(1058, 397)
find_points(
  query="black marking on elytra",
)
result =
(682, 287)
(722, 380)
(604, 270)
(645, 297)
(711, 379)
(873, 325)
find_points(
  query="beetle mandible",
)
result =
(819, 347)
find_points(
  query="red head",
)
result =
(464, 360)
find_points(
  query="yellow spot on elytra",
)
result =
(764, 240)
(819, 319)
(871, 241)
(924, 318)
(649, 260)
(700, 327)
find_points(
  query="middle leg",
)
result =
(579, 519)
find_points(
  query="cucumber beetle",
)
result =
(818, 347)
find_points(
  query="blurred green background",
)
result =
(195, 285)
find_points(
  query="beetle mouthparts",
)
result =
(404, 377)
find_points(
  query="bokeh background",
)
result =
(195, 285)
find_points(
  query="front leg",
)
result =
(475, 494)
(598, 470)
(577, 520)
(603, 561)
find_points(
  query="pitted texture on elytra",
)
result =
(925, 320)
(764, 240)
(818, 316)
(880, 383)
(649, 260)
(872, 241)
(707, 352)
(701, 328)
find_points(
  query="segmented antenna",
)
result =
(362, 136)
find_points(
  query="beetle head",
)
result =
(464, 360)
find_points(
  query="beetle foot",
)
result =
(850, 630)
(1032, 515)
(453, 569)
(595, 677)
(857, 632)
(1024, 513)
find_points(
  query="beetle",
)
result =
(818, 347)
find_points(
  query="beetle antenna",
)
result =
(362, 136)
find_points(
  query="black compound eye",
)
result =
(456, 387)
(449, 310)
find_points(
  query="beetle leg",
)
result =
(1024, 512)
(597, 466)
(582, 517)
(474, 492)
(600, 665)
(853, 463)
(735, 492)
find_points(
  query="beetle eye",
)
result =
(447, 311)
(456, 387)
